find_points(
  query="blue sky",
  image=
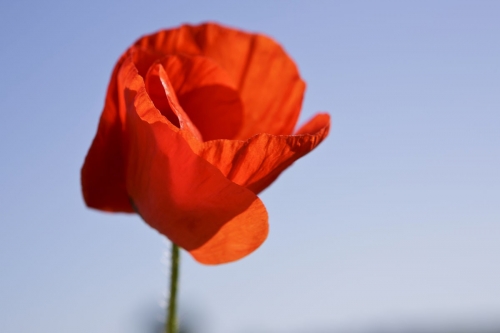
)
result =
(393, 221)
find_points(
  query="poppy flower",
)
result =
(197, 121)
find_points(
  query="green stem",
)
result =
(171, 324)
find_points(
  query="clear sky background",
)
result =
(394, 221)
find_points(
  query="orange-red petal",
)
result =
(267, 79)
(179, 193)
(206, 94)
(257, 162)
(103, 172)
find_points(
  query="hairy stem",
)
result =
(171, 323)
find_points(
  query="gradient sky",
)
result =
(393, 221)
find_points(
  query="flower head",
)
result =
(197, 121)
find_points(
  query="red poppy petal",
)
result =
(257, 162)
(267, 79)
(207, 95)
(180, 194)
(161, 92)
(103, 172)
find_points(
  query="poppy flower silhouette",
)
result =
(197, 121)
